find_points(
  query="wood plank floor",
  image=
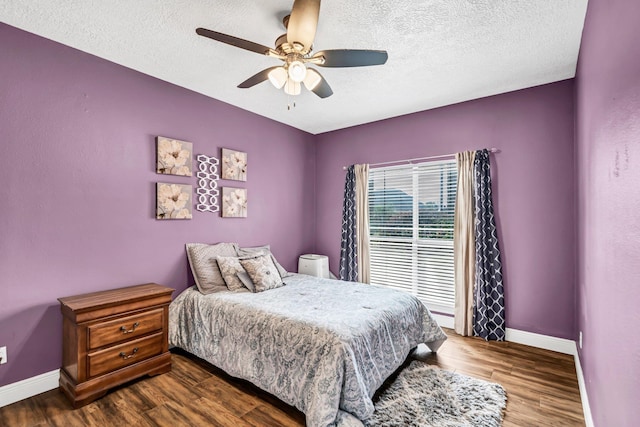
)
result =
(542, 390)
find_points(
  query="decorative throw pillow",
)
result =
(204, 266)
(266, 249)
(230, 267)
(263, 272)
(246, 280)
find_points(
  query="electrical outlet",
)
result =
(3, 355)
(580, 340)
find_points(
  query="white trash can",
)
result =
(314, 265)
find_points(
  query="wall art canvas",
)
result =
(234, 202)
(234, 165)
(173, 157)
(173, 201)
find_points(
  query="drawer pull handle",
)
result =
(128, 331)
(129, 356)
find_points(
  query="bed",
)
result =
(324, 346)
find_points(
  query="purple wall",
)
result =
(533, 188)
(608, 148)
(78, 187)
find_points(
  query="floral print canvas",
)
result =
(173, 201)
(173, 156)
(234, 202)
(234, 165)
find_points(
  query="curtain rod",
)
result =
(442, 156)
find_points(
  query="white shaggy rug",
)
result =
(423, 395)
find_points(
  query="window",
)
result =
(411, 210)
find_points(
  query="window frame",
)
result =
(418, 269)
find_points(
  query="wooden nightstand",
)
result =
(112, 337)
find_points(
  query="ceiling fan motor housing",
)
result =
(284, 47)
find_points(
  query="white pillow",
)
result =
(204, 265)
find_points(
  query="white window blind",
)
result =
(411, 210)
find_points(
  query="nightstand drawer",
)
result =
(125, 328)
(119, 356)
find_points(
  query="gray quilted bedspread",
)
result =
(323, 346)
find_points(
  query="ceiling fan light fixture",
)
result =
(297, 71)
(292, 87)
(278, 77)
(312, 79)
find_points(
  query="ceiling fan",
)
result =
(294, 49)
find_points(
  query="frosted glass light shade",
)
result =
(278, 77)
(297, 71)
(312, 79)
(292, 87)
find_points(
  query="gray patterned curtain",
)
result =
(488, 312)
(348, 246)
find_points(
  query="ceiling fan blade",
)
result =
(234, 41)
(303, 23)
(317, 84)
(351, 57)
(256, 78)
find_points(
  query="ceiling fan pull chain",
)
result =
(289, 107)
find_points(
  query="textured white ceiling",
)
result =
(440, 51)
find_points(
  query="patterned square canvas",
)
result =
(234, 202)
(173, 201)
(234, 165)
(173, 157)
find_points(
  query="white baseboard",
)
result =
(17, 391)
(588, 419)
(561, 345)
